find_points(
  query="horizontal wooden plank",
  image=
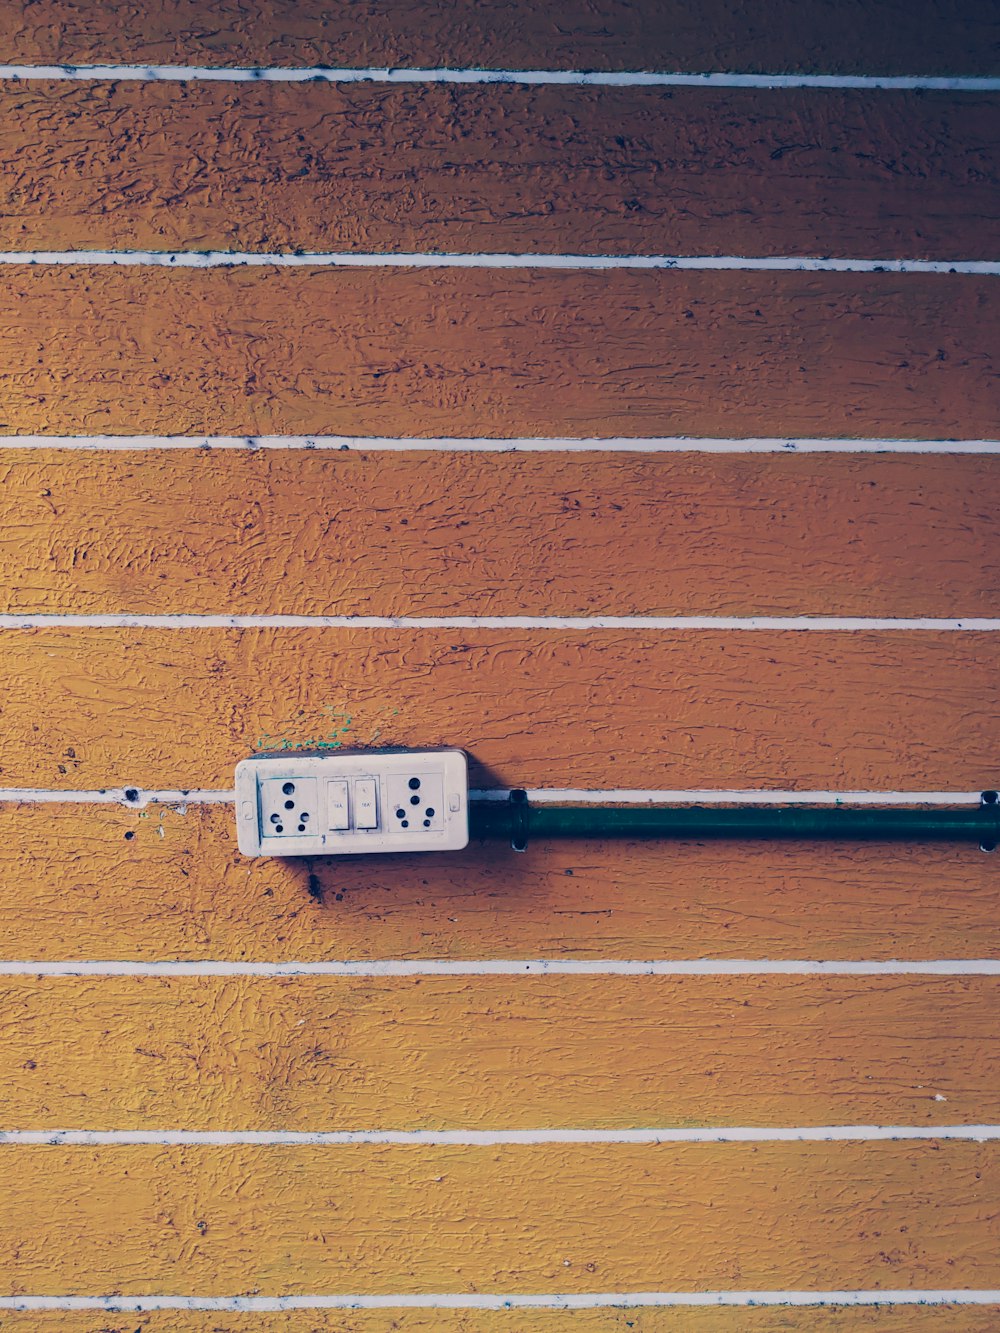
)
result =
(492, 1053)
(788, 710)
(336, 533)
(109, 883)
(488, 352)
(893, 37)
(884, 1319)
(681, 171)
(544, 1219)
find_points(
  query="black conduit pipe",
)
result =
(519, 820)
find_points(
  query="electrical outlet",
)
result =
(288, 806)
(313, 803)
(416, 801)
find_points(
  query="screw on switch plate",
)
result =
(315, 803)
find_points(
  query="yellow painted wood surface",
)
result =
(356, 533)
(538, 1219)
(885, 1319)
(786, 709)
(469, 168)
(496, 352)
(893, 38)
(491, 1053)
(106, 882)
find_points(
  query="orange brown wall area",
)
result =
(578, 619)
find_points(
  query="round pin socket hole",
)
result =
(289, 805)
(400, 814)
(288, 788)
(304, 816)
(414, 784)
(406, 823)
(429, 812)
(279, 828)
(302, 828)
(427, 823)
(275, 819)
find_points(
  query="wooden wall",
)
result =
(488, 353)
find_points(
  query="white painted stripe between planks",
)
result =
(136, 797)
(115, 796)
(591, 78)
(241, 259)
(500, 1301)
(125, 620)
(86, 1138)
(492, 967)
(617, 444)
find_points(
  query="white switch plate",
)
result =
(293, 804)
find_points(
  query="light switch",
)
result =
(365, 804)
(336, 805)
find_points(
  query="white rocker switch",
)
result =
(365, 804)
(337, 816)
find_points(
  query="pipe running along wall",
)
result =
(519, 820)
